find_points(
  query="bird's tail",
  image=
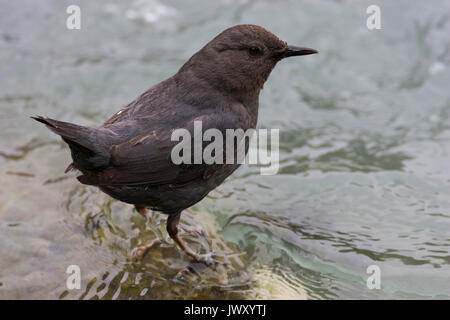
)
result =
(89, 146)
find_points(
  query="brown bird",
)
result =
(129, 156)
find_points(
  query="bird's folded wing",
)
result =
(146, 159)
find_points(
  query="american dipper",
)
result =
(129, 156)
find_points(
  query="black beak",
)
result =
(298, 51)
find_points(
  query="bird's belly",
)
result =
(165, 198)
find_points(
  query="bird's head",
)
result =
(241, 58)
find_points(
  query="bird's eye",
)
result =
(255, 51)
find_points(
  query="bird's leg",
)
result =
(139, 252)
(172, 230)
(142, 211)
(193, 231)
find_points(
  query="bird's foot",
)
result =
(142, 211)
(139, 252)
(208, 260)
(199, 263)
(193, 231)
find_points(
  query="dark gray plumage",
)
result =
(128, 157)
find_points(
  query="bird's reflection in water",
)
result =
(164, 272)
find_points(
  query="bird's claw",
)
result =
(208, 260)
(139, 252)
(196, 232)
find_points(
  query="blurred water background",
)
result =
(364, 166)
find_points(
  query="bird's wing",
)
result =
(146, 159)
(118, 115)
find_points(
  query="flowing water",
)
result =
(364, 153)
